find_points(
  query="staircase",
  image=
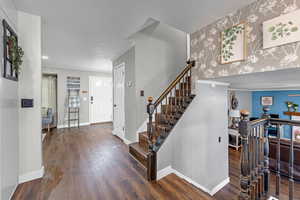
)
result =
(164, 113)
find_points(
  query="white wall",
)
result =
(30, 87)
(193, 145)
(245, 100)
(9, 140)
(62, 75)
(159, 56)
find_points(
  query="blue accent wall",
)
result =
(278, 107)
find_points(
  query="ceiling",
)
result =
(87, 35)
(287, 79)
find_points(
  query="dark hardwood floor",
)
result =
(91, 164)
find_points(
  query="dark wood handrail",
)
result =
(258, 122)
(190, 64)
(274, 121)
(285, 122)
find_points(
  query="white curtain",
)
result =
(49, 93)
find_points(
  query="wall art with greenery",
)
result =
(282, 30)
(233, 44)
(12, 53)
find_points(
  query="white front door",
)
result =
(119, 109)
(100, 99)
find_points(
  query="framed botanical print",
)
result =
(281, 30)
(266, 101)
(233, 44)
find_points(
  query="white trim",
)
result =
(31, 175)
(13, 192)
(73, 125)
(220, 186)
(142, 128)
(212, 82)
(263, 89)
(188, 46)
(165, 172)
(169, 170)
(89, 100)
(127, 142)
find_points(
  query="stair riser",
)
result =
(138, 156)
(143, 141)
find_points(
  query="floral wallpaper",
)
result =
(205, 43)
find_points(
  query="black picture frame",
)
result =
(8, 71)
(264, 100)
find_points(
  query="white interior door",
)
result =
(100, 99)
(119, 109)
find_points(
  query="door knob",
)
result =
(115, 105)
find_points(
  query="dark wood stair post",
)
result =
(151, 156)
(266, 170)
(244, 129)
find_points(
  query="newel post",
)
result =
(151, 156)
(193, 62)
(244, 129)
(266, 170)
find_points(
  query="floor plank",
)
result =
(91, 164)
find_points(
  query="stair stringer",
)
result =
(192, 149)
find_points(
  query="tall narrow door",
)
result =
(119, 109)
(100, 99)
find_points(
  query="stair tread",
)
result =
(144, 133)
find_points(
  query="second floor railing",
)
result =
(255, 173)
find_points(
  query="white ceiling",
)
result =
(88, 34)
(287, 79)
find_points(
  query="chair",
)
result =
(48, 119)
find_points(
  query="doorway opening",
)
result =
(49, 102)
(119, 101)
(100, 95)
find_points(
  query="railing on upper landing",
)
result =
(255, 173)
(181, 86)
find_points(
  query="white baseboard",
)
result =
(220, 186)
(73, 125)
(165, 172)
(168, 170)
(31, 175)
(143, 127)
(127, 142)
